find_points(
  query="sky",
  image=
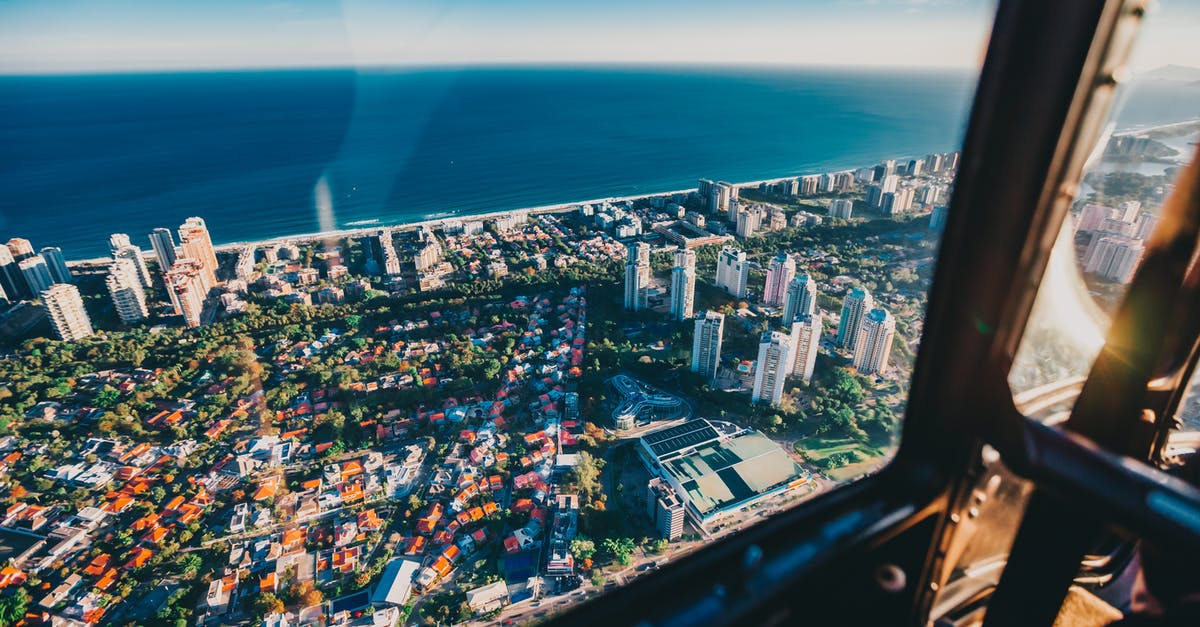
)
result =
(85, 36)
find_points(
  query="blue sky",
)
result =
(43, 36)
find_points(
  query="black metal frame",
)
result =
(1042, 92)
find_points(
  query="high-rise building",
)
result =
(842, 208)
(704, 192)
(185, 284)
(937, 217)
(775, 359)
(1128, 210)
(37, 274)
(57, 264)
(665, 509)
(801, 298)
(683, 284)
(126, 290)
(11, 278)
(118, 240)
(706, 344)
(950, 161)
(65, 309)
(163, 245)
(1114, 257)
(825, 183)
(637, 275)
(856, 305)
(780, 273)
(897, 202)
(733, 271)
(196, 243)
(20, 248)
(915, 168)
(809, 184)
(749, 221)
(806, 341)
(134, 255)
(874, 342)
(933, 163)
(720, 197)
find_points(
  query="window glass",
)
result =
(437, 310)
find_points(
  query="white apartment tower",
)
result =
(637, 275)
(874, 342)
(780, 273)
(65, 310)
(122, 248)
(774, 365)
(732, 271)
(854, 307)
(126, 290)
(706, 345)
(163, 245)
(801, 298)
(186, 286)
(806, 341)
(683, 284)
(841, 208)
(36, 273)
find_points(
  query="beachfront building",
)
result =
(774, 365)
(733, 271)
(874, 342)
(36, 274)
(123, 248)
(683, 284)
(20, 248)
(706, 344)
(65, 309)
(854, 307)
(806, 341)
(196, 243)
(780, 273)
(57, 264)
(162, 242)
(10, 276)
(637, 275)
(897, 202)
(186, 286)
(801, 298)
(126, 290)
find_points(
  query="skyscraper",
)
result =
(937, 217)
(637, 274)
(801, 298)
(20, 248)
(126, 290)
(780, 273)
(841, 208)
(163, 245)
(683, 284)
(195, 242)
(856, 304)
(10, 276)
(706, 345)
(897, 202)
(732, 271)
(748, 221)
(185, 284)
(37, 274)
(806, 341)
(933, 163)
(1115, 257)
(774, 365)
(122, 249)
(874, 342)
(53, 256)
(65, 309)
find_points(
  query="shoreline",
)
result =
(366, 229)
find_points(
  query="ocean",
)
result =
(85, 156)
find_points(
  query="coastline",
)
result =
(434, 222)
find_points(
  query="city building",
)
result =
(801, 298)
(162, 242)
(733, 271)
(65, 309)
(637, 275)
(856, 305)
(126, 290)
(196, 243)
(808, 185)
(57, 264)
(1115, 257)
(428, 254)
(11, 278)
(780, 273)
(706, 344)
(774, 365)
(185, 284)
(874, 343)
(36, 274)
(897, 202)
(716, 474)
(841, 208)
(806, 341)
(122, 248)
(665, 509)
(748, 221)
(20, 248)
(933, 163)
(937, 217)
(683, 284)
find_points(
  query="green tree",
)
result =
(582, 548)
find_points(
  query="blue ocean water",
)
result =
(84, 156)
